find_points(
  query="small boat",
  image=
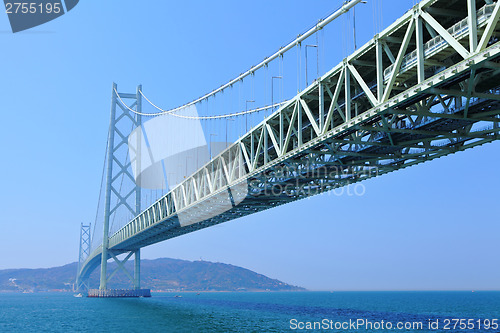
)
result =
(178, 296)
(78, 295)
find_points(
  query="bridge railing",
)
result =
(459, 31)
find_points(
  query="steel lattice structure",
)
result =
(426, 87)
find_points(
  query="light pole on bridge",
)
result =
(272, 89)
(317, 61)
(246, 115)
(227, 121)
(210, 144)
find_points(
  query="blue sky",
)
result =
(434, 226)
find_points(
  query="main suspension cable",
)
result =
(318, 26)
(172, 112)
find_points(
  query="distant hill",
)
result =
(159, 274)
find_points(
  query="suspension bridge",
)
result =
(425, 87)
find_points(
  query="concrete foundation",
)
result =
(108, 293)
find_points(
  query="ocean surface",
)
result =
(253, 312)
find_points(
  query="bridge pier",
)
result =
(115, 293)
(137, 269)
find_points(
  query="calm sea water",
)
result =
(246, 312)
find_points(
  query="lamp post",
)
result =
(186, 173)
(227, 120)
(210, 144)
(272, 90)
(317, 62)
(354, 25)
(246, 115)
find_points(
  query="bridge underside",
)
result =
(383, 109)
